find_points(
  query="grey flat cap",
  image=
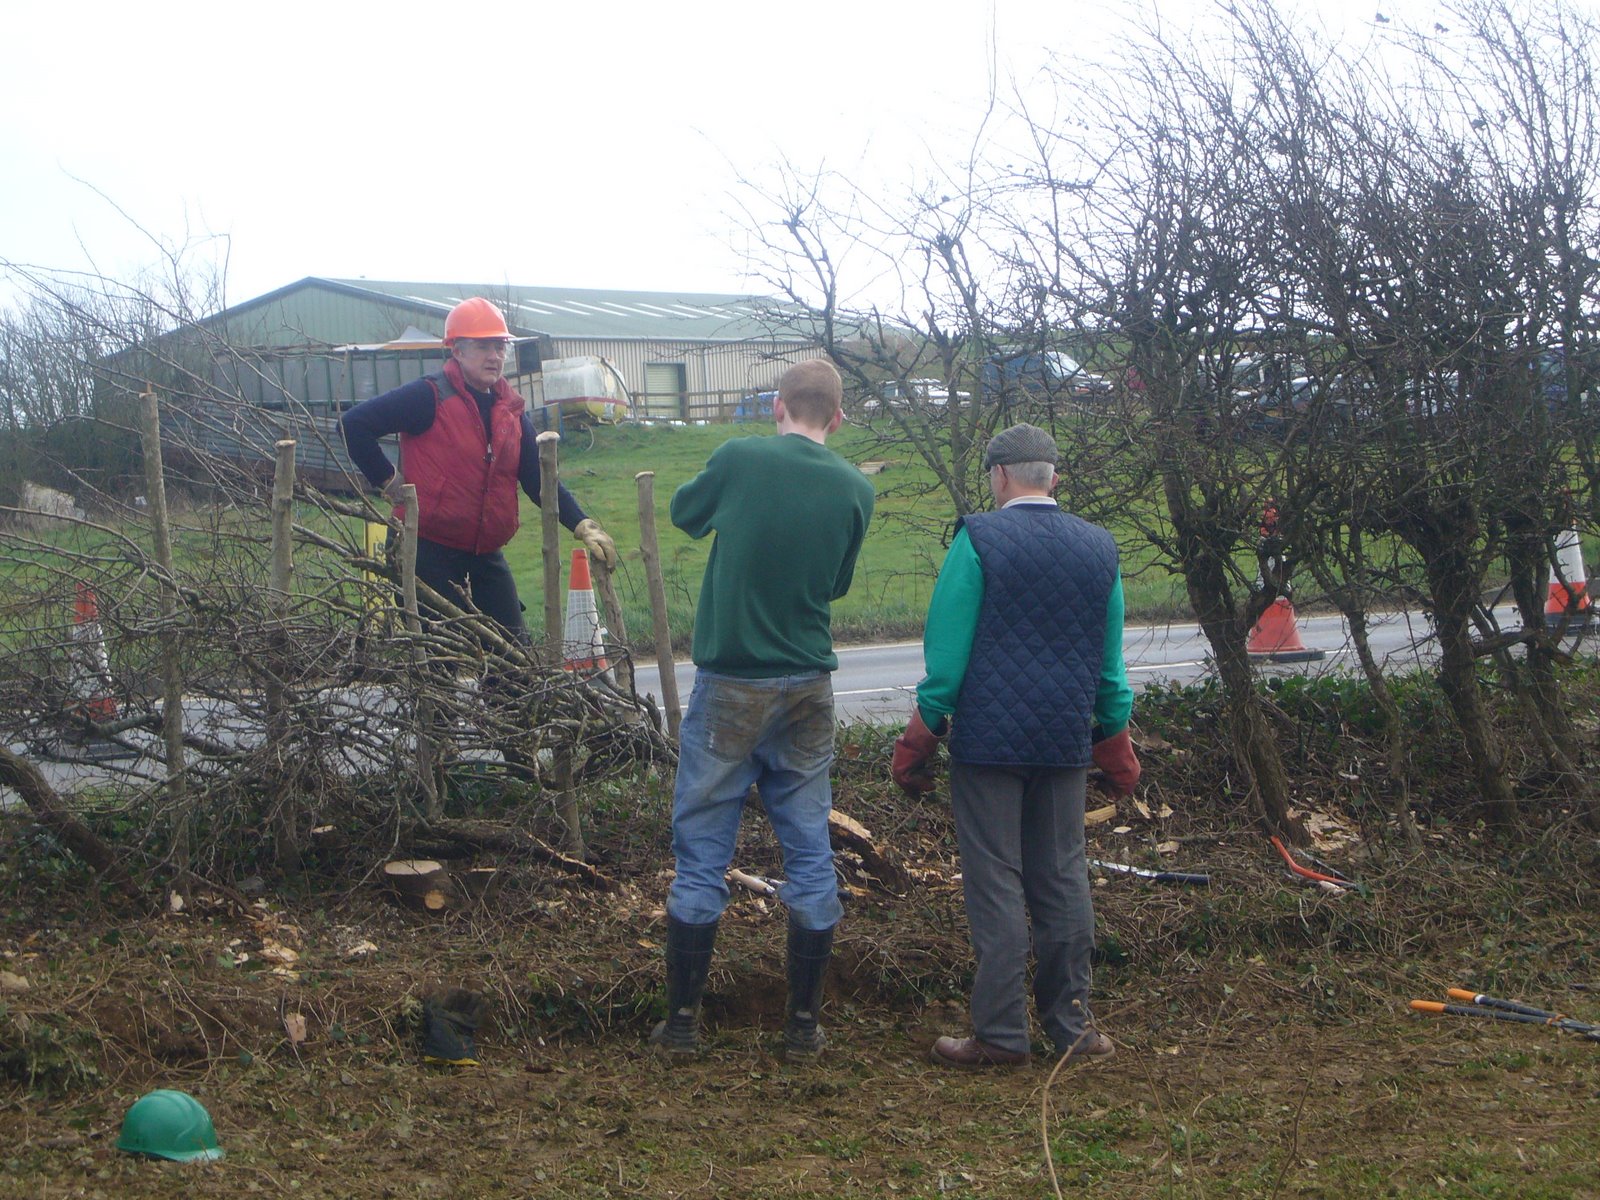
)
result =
(1020, 444)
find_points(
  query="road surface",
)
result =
(875, 683)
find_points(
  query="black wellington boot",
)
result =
(688, 963)
(449, 1021)
(809, 952)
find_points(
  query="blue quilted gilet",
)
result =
(1028, 696)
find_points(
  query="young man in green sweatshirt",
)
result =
(788, 516)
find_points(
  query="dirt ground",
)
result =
(1264, 1042)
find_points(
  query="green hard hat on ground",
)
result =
(169, 1124)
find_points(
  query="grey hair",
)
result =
(1035, 475)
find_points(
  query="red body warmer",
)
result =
(466, 487)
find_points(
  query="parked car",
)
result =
(1049, 372)
(904, 392)
(1274, 393)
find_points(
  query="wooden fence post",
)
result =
(554, 635)
(427, 752)
(615, 625)
(286, 815)
(171, 657)
(651, 549)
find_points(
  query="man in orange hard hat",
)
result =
(466, 442)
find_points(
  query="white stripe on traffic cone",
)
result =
(1569, 596)
(91, 684)
(584, 639)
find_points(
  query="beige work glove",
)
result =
(391, 489)
(596, 541)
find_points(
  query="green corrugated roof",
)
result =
(596, 313)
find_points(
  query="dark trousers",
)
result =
(1023, 868)
(485, 578)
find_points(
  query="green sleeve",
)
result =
(947, 635)
(694, 504)
(1113, 701)
(847, 569)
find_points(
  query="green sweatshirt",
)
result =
(789, 515)
(953, 620)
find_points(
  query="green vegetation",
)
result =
(894, 577)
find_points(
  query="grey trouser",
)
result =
(1022, 861)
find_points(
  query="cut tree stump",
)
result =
(476, 881)
(474, 836)
(420, 884)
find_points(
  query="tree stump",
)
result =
(421, 884)
(476, 881)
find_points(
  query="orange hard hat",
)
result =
(475, 318)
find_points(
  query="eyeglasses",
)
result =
(489, 345)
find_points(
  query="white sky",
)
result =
(566, 144)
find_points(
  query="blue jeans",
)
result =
(778, 735)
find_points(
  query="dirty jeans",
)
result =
(1020, 830)
(778, 735)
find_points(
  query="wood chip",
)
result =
(275, 952)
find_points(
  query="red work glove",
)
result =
(913, 752)
(1115, 759)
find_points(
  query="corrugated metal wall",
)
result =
(710, 367)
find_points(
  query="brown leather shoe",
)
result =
(1091, 1045)
(970, 1052)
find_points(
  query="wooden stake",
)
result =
(623, 666)
(554, 630)
(286, 814)
(651, 549)
(427, 754)
(171, 652)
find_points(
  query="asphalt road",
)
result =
(875, 683)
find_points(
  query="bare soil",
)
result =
(1264, 1043)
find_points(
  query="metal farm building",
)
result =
(680, 355)
(290, 361)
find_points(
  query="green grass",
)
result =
(893, 580)
(894, 575)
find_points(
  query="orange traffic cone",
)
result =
(584, 639)
(1276, 637)
(1569, 598)
(91, 668)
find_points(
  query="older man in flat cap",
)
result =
(1023, 653)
